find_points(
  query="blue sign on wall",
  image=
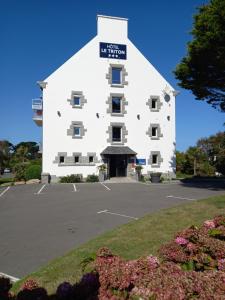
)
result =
(140, 161)
(116, 51)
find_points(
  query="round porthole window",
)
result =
(167, 97)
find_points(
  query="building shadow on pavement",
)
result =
(204, 183)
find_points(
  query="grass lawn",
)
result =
(135, 239)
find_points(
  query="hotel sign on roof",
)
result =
(116, 51)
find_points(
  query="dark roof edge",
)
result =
(118, 150)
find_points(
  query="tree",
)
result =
(6, 149)
(180, 162)
(196, 162)
(195, 155)
(203, 69)
(214, 147)
(31, 148)
(21, 153)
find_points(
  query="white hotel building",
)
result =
(106, 104)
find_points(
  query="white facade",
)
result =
(88, 75)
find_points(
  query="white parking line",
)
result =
(182, 198)
(2, 193)
(112, 213)
(13, 279)
(41, 189)
(102, 211)
(74, 186)
(105, 186)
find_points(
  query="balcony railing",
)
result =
(37, 104)
(37, 108)
(37, 117)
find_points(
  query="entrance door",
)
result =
(118, 165)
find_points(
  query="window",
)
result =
(116, 104)
(91, 159)
(154, 131)
(76, 159)
(76, 131)
(76, 101)
(61, 159)
(116, 75)
(154, 103)
(154, 159)
(116, 134)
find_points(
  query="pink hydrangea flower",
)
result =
(153, 261)
(221, 264)
(209, 224)
(29, 284)
(181, 241)
(191, 246)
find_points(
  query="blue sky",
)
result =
(36, 37)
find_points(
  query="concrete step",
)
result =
(120, 180)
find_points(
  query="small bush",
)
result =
(198, 249)
(74, 178)
(33, 172)
(20, 171)
(142, 178)
(102, 168)
(138, 168)
(92, 178)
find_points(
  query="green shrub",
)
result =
(102, 168)
(36, 161)
(6, 180)
(74, 178)
(138, 168)
(142, 178)
(20, 170)
(33, 172)
(92, 178)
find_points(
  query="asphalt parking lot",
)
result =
(41, 222)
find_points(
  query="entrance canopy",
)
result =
(118, 150)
